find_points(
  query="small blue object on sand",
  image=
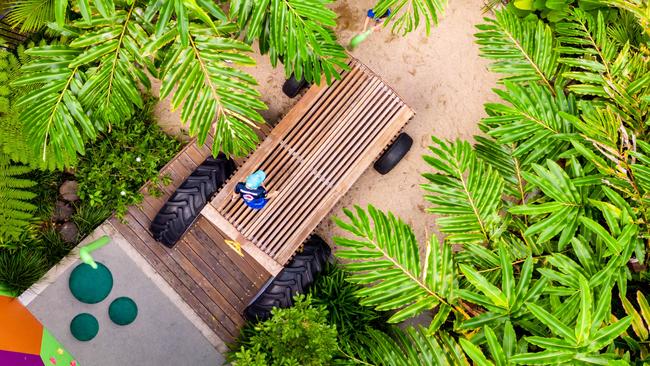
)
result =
(371, 14)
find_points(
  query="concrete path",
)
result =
(164, 333)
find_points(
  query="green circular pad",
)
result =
(90, 285)
(84, 327)
(123, 311)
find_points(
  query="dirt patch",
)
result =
(441, 77)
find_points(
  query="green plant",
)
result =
(637, 340)
(14, 139)
(15, 206)
(88, 217)
(406, 15)
(20, 269)
(298, 335)
(332, 291)
(541, 217)
(29, 15)
(111, 174)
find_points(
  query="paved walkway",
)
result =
(166, 331)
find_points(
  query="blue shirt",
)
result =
(253, 198)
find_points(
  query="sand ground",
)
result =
(440, 76)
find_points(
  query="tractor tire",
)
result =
(295, 278)
(292, 87)
(397, 150)
(182, 208)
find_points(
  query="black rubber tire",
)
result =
(397, 150)
(182, 208)
(295, 278)
(292, 87)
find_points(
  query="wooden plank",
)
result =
(172, 262)
(269, 264)
(349, 178)
(186, 293)
(234, 279)
(245, 265)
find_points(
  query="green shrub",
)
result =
(14, 140)
(331, 291)
(20, 269)
(117, 166)
(15, 206)
(299, 335)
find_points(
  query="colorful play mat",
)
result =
(24, 341)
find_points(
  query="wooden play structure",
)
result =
(311, 157)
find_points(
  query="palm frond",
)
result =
(53, 114)
(210, 90)
(406, 15)
(111, 52)
(15, 205)
(600, 67)
(385, 256)
(523, 50)
(298, 33)
(412, 346)
(639, 8)
(30, 15)
(467, 191)
(560, 209)
(532, 121)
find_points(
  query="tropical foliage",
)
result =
(131, 155)
(299, 335)
(15, 205)
(544, 219)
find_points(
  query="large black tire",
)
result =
(186, 203)
(292, 86)
(389, 159)
(295, 278)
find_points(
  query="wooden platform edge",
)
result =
(212, 215)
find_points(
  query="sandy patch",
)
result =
(441, 77)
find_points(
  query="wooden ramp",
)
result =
(215, 281)
(311, 158)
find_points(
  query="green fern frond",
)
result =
(211, 91)
(112, 49)
(53, 115)
(298, 33)
(532, 121)
(412, 346)
(30, 15)
(15, 208)
(467, 192)
(406, 15)
(523, 50)
(386, 255)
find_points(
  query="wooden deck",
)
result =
(215, 281)
(311, 158)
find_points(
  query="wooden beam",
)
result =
(212, 215)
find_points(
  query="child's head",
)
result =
(255, 180)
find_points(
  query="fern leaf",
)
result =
(298, 33)
(406, 15)
(532, 121)
(53, 114)
(524, 50)
(467, 191)
(15, 205)
(210, 90)
(385, 256)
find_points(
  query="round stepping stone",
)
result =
(84, 327)
(90, 285)
(123, 311)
